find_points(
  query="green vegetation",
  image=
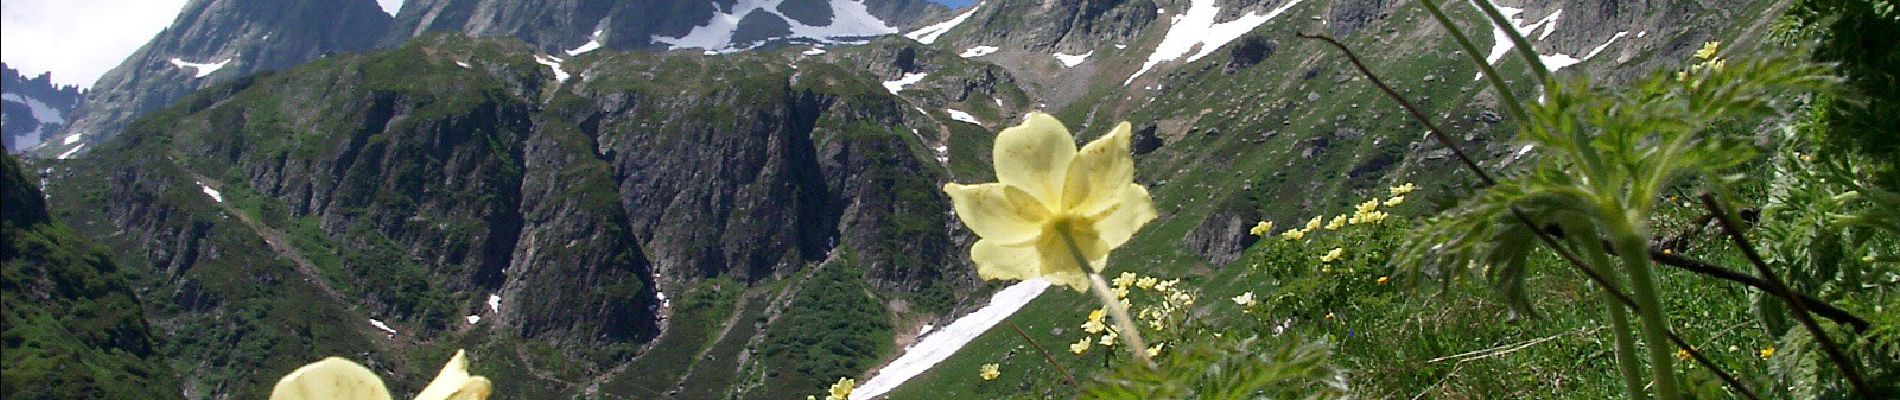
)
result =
(834, 328)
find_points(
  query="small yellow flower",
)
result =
(989, 371)
(1294, 234)
(1402, 190)
(1394, 201)
(1147, 283)
(1094, 326)
(1708, 50)
(1367, 206)
(1337, 222)
(1329, 315)
(1080, 346)
(1384, 280)
(1109, 339)
(1167, 285)
(1682, 354)
(1333, 255)
(1155, 350)
(1768, 352)
(1313, 224)
(1246, 300)
(1121, 292)
(1125, 279)
(1055, 212)
(338, 378)
(842, 389)
(1262, 228)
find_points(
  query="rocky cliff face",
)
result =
(33, 110)
(454, 191)
(214, 41)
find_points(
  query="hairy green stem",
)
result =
(1627, 363)
(1633, 250)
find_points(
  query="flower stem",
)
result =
(1129, 333)
(1630, 247)
(1627, 363)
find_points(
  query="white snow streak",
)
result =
(930, 350)
(814, 51)
(472, 319)
(382, 326)
(978, 51)
(929, 34)
(1501, 41)
(907, 80)
(593, 43)
(204, 70)
(553, 63)
(73, 139)
(215, 195)
(962, 116)
(850, 19)
(1599, 49)
(1072, 60)
(1196, 31)
(69, 153)
(494, 303)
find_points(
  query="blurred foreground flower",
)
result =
(989, 371)
(1262, 228)
(842, 389)
(1053, 208)
(338, 378)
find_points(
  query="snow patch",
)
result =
(907, 80)
(933, 349)
(204, 70)
(463, 65)
(214, 193)
(553, 63)
(850, 19)
(472, 319)
(1196, 31)
(1119, 46)
(1501, 41)
(593, 43)
(929, 34)
(73, 139)
(1071, 61)
(925, 330)
(494, 303)
(69, 153)
(382, 326)
(962, 116)
(1599, 49)
(978, 51)
(814, 51)
(44, 113)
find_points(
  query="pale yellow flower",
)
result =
(338, 378)
(1708, 50)
(1768, 352)
(1080, 346)
(1246, 300)
(1384, 280)
(842, 389)
(1262, 228)
(1094, 326)
(1337, 222)
(1402, 190)
(1053, 208)
(1125, 279)
(1394, 201)
(1155, 351)
(1367, 206)
(1108, 339)
(1167, 285)
(989, 372)
(1334, 255)
(1294, 234)
(1147, 283)
(1313, 224)
(1120, 292)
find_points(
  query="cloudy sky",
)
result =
(79, 40)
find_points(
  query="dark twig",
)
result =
(1816, 305)
(1800, 307)
(1545, 237)
(1045, 355)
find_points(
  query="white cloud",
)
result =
(79, 40)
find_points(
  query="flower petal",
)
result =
(1059, 264)
(332, 378)
(1035, 156)
(1133, 209)
(454, 382)
(998, 212)
(1096, 177)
